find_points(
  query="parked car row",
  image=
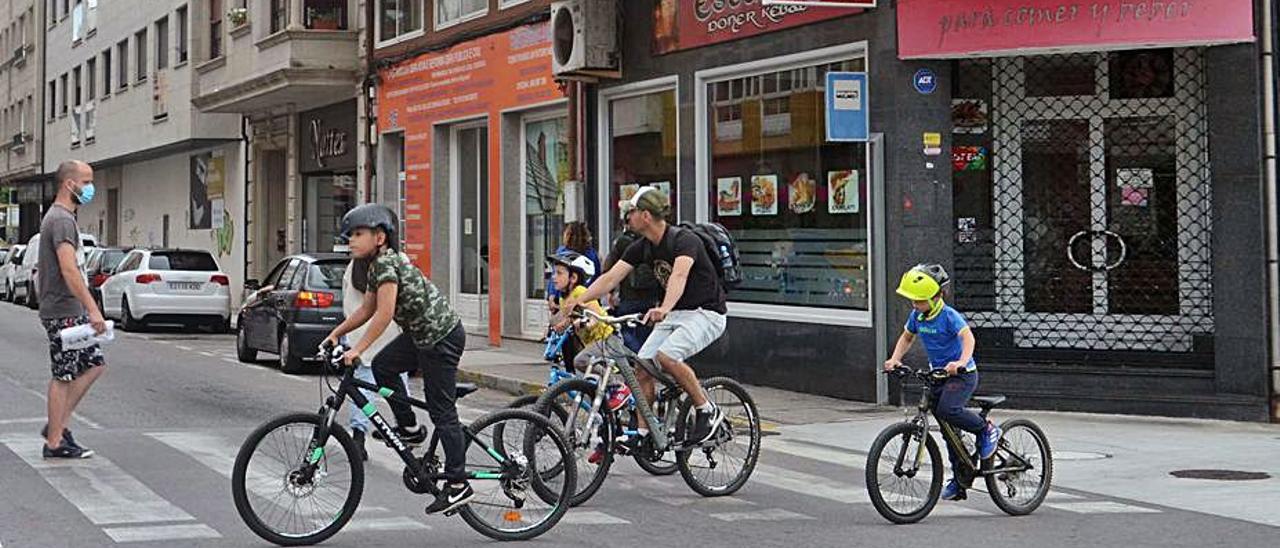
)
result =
(20, 272)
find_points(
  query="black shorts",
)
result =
(68, 365)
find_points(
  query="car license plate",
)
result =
(185, 286)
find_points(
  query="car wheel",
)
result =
(126, 317)
(32, 302)
(243, 351)
(288, 362)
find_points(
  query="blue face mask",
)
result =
(85, 195)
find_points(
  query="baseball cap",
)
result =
(648, 198)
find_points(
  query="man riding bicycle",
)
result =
(691, 316)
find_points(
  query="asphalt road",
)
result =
(173, 408)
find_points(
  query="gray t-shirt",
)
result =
(56, 299)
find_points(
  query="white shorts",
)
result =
(683, 334)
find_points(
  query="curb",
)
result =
(514, 387)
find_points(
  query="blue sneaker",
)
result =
(988, 440)
(953, 491)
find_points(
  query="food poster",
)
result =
(802, 193)
(764, 195)
(969, 116)
(968, 158)
(843, 191)
(729, 196)
(626, 191)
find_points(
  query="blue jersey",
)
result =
(941, 336)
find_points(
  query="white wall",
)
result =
(152, 189)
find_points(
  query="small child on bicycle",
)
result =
(949, 343)
(432, 341)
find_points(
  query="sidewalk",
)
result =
(1125, 456)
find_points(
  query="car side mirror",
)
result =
(252, 285)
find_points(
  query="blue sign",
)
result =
(847, 107)
(925, 81)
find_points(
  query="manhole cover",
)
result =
(1079, 455)
(1220, 475)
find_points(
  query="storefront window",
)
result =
(546, 170)
(327, 198)
(642, 148)
(795, 204)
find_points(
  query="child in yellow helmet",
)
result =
(949, 343)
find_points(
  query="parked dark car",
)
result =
(100, 265)
(292, 310)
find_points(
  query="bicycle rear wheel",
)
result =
(277, 493)
(722, 465)
(512, 500)
(567, 401)
(1023, 445)
(900, 490)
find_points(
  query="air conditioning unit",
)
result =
(584, 39)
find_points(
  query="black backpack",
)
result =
(642, 278)
(721, 249)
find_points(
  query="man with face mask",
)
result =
(65, 302)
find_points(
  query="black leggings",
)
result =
(439, 367)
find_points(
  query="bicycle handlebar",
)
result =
(629, 320)
(926, 375)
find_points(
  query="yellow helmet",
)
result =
(923, 282)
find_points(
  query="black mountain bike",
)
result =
(905, 467)
(298, 478)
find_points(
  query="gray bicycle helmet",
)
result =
(372, 216)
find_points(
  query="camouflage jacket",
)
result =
(421, 310)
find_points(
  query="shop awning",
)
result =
(938, 29)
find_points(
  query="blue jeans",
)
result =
(365, 373)
(634, 337)
(950, 399)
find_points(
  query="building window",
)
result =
(106, 72)
(182, 34)
(62, 99)
(504, 4)
(162, 43)
(53, 12)
(76, 90)
(794, 203)
(643, 148)
(122, 59)
(215, 29)
(325, 14)
(279, 15)
(397, 18)
(91, 81)
(450, 12)
(53, 99)
(140, 48)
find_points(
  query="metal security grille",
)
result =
(1082, 199)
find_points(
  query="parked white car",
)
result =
(27, 274)
(183, 286)
(11, 264)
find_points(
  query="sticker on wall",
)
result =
(842, 191)
(729, 196)
(1135, 178)
(1134, 196)
(802, 192)
(966, 230)
(967, 158)
(969, 116)
(925, 81)
(764, 195)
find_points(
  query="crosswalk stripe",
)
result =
(773, 514)
(102, 491)
(809, 484)
(815, 452)
(1101, 507)
(153, 533)
(591, 517)
(401, 523)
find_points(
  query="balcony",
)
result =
(303, 53)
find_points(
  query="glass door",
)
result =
(546, 168)
(470, 225)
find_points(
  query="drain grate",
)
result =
(1220, 475)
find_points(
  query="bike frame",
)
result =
(950, 436)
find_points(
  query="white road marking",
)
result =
(1102, 507)
(209, 354)
(29, 420)
(809, 484)
(386, 524)
(161, 532)
(591, 517)
(43, 397)
(293, 378)
(182, 347)
(773, 514)
(814, 452)
(103, 492)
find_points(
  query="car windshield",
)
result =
(182, 260)
(111, 258)
(326, 275)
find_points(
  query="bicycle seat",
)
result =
(465, 388)
(987, 402)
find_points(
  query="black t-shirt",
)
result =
(703, 289)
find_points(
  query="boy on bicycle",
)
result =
(949, 343)
(432, 341)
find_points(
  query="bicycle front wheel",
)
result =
(291, 490)
(902, 489)
(568, 403)
(513, 501)
(1024, 451)
(723, 464)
